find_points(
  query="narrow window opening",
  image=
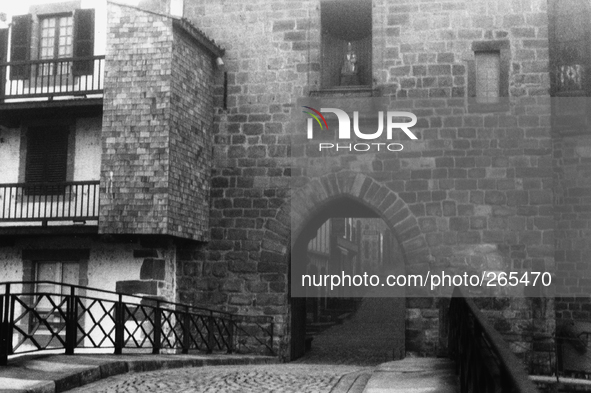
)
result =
(487, 77)
(225, 90)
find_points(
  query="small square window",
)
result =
(487, 77)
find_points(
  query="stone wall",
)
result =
(573, 206)
(265, 72)
(572, 165)
(473, 193)
(494, 169)
(135, 160)
(191, 137)
(157, 124)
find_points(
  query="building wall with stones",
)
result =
(135, 160)
(473, 193)
(572, 159)
(191, 136)
(572, 154)
(157, 122)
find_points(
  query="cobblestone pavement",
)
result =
(282, 378)
(338, 354)
(374, 335)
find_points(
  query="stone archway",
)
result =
(309, 200)
(318, 194)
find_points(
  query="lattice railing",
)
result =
(74, 317)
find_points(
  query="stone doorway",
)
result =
(353, 325)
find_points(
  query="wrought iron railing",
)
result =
(75, 200)
(72, 317)
(484, 361)
(52, 77)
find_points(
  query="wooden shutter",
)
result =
(3, 58)
(20, 46)
(83, 41)
(47, 157)
(3, 45)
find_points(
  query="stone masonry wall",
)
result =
(191, 137)
(572, 155)
(494, 168)
(156, 128)
(474, 193)
(135, 161)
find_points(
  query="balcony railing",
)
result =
(52, 77)
(65, 201)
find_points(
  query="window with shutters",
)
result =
(46, 159)
(83, 41)
(20, 46)
(61, 36)
(55, 42)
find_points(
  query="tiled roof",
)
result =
(199, 35)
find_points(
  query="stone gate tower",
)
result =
(473, 193)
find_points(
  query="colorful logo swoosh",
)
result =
(316, 117)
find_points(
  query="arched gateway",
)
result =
(343, 194)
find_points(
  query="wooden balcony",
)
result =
(74, 201)
(37, 79)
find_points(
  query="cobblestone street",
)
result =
(352, 349)
(295, 378)
(374, 335)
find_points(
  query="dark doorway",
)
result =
(347, 325)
